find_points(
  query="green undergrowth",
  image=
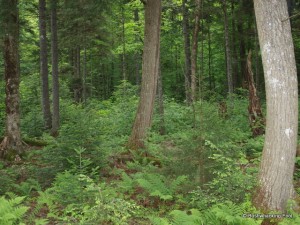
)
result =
(201, 171)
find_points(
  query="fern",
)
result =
(154, 184)
(158, 221)
(175, 184)
(10, 210)
(226, 213)
(182, 218)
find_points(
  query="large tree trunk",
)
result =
(277, 165)
(44, 65)
(12, 143)
(195, 50)
(227, 50)
(150, 69)
(55, 80)
(187, 51)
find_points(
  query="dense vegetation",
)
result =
(203, 167)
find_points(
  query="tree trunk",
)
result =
(195, 50)
(12, 143)
(234, 49)
(160, 99)
(137, 55)
(150, 69)
(227, 50)
(256, 117)
(187, 51)
(242, 79)
(124, 77)
(44, 65)
(55, 80)
(278, 159)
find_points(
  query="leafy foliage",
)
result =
(11, 210)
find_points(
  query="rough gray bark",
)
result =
(195, 50)
(12, 143)
(44, 65)
(150, 68)
(187, 51)
(277, 165)
(55, 80)
(227, 50)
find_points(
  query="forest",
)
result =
(141, 112)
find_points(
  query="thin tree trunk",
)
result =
(137, 55)
(256, 117)
(84, 76)
(124, 77)
(44, 65)
(242, 79)
(143, 119)
(160, 98)
(210, 74)
(187, 51)
(195, 50)
(55, 79)
(278, 159)
(227, 50)
(234, 50)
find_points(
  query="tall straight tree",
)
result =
(55, 80)
(194, 49)
(278, 159)
(150, 68)
(12, 140)
(227, 49)
(44, 65)
(187, 51)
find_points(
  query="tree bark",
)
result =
(44, 65)
(227, 50)
(187, 51)
(12, 143)
(55, 78)
(195, 50)
(150, 69)
(278, 159)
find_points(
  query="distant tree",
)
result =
(278, 159)
(187, 51)
(55, 80)
(44, 65)
(12, 142)
(195, 50)
(227, 49)
(150, 70)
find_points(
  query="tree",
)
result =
(12, 142)
(55, 80)
(194, 49)
(187, 51)
(227, 49)
(44, 65)
(150, 68)
(277, 165)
